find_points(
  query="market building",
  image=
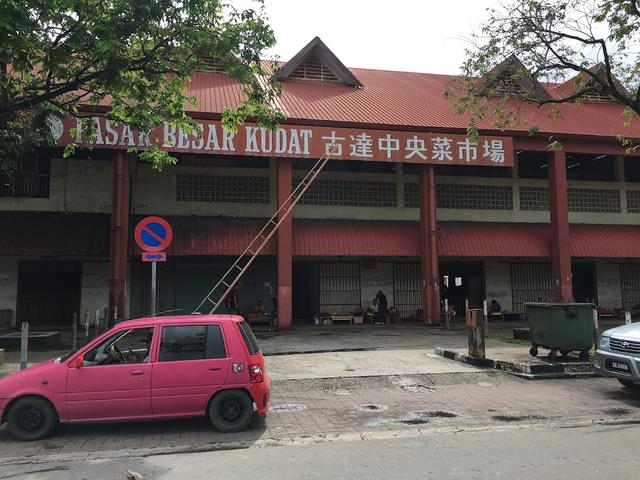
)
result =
(407, 205)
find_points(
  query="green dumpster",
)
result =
(561, 327)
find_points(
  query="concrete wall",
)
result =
(9, 285)
(373, 278)
(498, 283)
(85, 186)
(75, 186)
(608, 284)
(94, 289)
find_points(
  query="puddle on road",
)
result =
(416, 417)
(414, 421)
(439, 414)
(288, 408)
(337, 391)
(417, 388)
(617, 411)
(370, 408)
(516, 418)
(486, 384)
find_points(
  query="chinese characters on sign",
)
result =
(302, 142)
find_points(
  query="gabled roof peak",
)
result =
(511, 76)
(316, 62)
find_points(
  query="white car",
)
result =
(618, 354)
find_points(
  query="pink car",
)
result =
(145, 369)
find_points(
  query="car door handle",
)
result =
(214, 369)
(137, 372)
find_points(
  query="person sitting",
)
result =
(372, 311)
(258, 308)
(136, 357)
(495, 310)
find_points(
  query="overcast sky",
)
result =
(407, 35)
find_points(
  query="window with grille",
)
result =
(589, 200)
(31, 178)
(633, 201)
(472, 197)
(228, 189)
(594, 200)
(530, 282)
(339, 287)
(349, 193)
(407, 288)
(534, 198)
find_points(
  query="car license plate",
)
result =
(615, 366)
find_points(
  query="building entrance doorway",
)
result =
(460, 282)
(584, 282)
(48, 293)
(305, 289)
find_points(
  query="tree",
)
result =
(588, 46)
(71, 57)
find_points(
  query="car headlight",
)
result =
(604, 342)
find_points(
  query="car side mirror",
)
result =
(77, 362)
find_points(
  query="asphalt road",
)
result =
(604, 451)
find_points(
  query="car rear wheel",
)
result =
(628, 383)
(31, 418)
(231, 411)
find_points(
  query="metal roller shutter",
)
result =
(630, 285)
(407, 288)
(339, 287)
(530, 282)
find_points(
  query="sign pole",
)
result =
(24, 345)
(154, 271)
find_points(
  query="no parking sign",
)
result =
(153, 235)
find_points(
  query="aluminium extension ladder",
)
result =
(246, 258)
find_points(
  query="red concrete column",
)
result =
(119, 236)
(284, 250)
(559, 210)
(428, 246)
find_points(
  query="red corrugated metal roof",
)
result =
(605, 241)
(413, 100)
(213, 236)
(346, 238)
(209, 236)
(57, 234)
(475, 239)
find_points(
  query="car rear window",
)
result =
(191, 342)
(249, 338)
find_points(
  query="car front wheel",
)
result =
(231, 411)
(31, 418)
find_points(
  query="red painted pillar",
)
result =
(119, 236)
(284, 250)
(428, 246)
(559, 210)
